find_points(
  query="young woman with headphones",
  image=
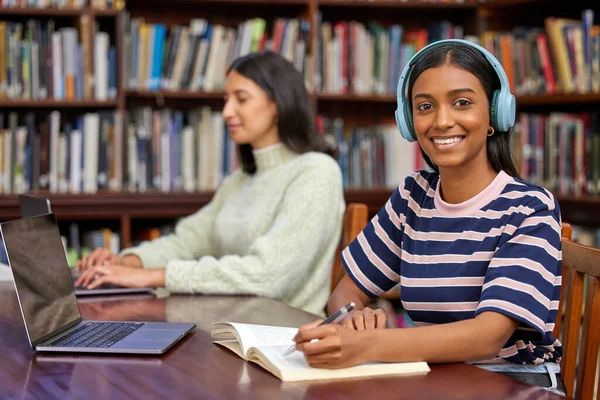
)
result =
(476, 250)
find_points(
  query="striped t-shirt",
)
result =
(498, 251)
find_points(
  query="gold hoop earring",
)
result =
(491, 131)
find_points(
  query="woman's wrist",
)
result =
(157, 277)
(132, 260)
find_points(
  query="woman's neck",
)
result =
(458, 185)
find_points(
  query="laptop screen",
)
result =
(41, 274)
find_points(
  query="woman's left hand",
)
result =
(335, 346)
(122, 276)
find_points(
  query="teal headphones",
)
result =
(502, 107)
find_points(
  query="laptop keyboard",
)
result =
(97, 334)
(103, 286)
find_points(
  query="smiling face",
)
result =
(250, 114)
(451, 117)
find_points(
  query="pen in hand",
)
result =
(332, 319)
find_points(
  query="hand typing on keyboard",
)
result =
(122, 276)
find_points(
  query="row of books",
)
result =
(373, 156)
(562, 58)
(170, 150)
(39, 60)
(83, 155)
(559, 151)
(162, 150)
(97, 4)
(352, 57)
(43, 3)
(196, 57)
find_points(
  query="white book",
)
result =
(216, 169)
(101, 66)
(54, 156)
(266, 346)
(246, 39)
(116, 181)
(200, 62)
(91, 131)
(69, 52)
(188, 159)
(76, 149)
(57, 69)
(131, 158)
(63, 148)
(216, 42)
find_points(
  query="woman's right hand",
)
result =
(99, 256)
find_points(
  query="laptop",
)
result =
(48, 305)
(32, 206)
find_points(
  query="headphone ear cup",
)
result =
(409, 122)
(494, 112)
(404, 124)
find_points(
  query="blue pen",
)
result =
(332, 319)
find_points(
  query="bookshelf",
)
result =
(125, 208)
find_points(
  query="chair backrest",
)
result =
(356, 218)
(566, 233)
(581, 263)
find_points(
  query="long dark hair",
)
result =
(472, 60)
(295, 116)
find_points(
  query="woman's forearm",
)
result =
(345, 292)
(475, 339)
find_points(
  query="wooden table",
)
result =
(196, 368)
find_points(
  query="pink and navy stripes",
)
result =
(499, 251)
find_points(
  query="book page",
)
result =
(294, 367)
(257, 335)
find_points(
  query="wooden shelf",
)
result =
(356, 98)
(550, 99)
(395, 4)
(574, 209)
(113, 205)
(13, 103)
(179, 94)
(55, 12)
(135, 3)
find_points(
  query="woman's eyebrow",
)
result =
(451, 93)
(454, 92)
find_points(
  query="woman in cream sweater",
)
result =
(273, 226)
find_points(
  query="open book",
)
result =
(266, 345)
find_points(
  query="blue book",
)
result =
(157, 56)
(112, 73)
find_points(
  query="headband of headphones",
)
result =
(502, 107)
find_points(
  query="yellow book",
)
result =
(558, 46)
(143, 56)
(266, 345)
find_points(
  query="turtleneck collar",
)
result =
(272, 156)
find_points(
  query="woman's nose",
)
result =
(444, 118)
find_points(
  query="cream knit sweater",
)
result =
(271, 234)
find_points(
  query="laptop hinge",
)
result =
(57, 332)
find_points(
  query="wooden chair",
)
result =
(356, 218)
(580, 263)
